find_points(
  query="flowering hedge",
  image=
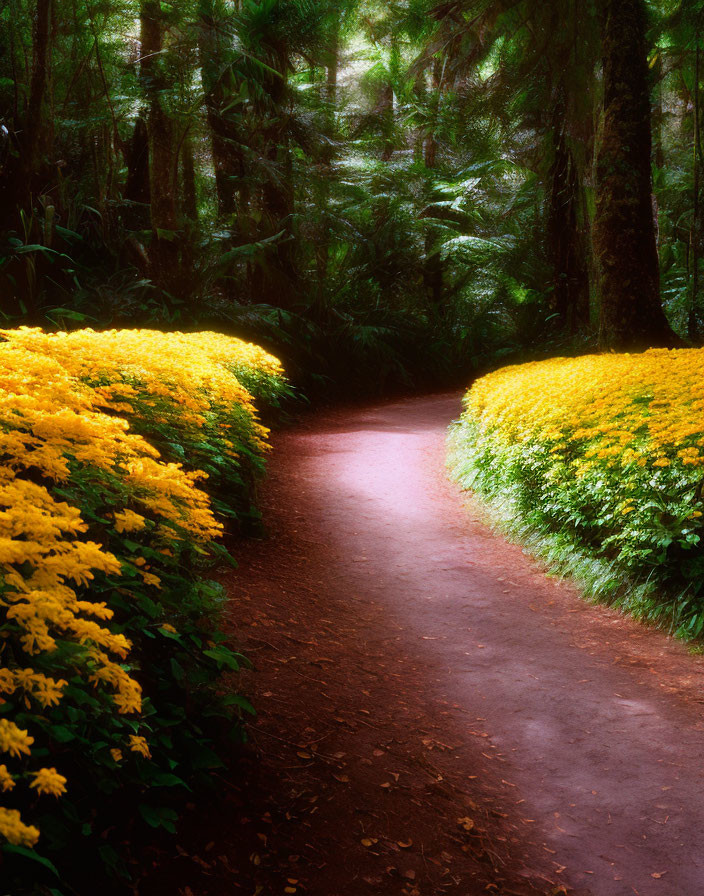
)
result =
(110, 649)
(604, 454)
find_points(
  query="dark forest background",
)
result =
(385, 194)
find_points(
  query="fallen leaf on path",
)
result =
(405, 844)
(466, 823)
(658, 874)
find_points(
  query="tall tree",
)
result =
(631, 313)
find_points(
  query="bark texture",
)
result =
(631, 315)
(566, 234)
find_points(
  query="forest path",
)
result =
(414, 669)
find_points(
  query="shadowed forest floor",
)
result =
(436, 716)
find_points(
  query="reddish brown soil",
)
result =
(436, 716)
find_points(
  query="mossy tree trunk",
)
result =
(631, 313)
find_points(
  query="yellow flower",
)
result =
(15, 831)
(13, 740)
(129, 521)
(7, 782)
(68, 401)
(138, 744)
(611, 409)
(49, 781)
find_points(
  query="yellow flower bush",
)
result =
(604, 450)
(183, 392)
(647, 408)
(101, 506)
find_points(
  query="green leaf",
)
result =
(32, 855)
(223, 657)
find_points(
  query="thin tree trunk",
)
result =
(188, 179)
(385, 108)
(432, 269)
(566, 241)
(225, 142)
(163, 251)
(36, 126)
(27, 142)
(333, 64)
(631, 313)
(692, 324)
(322, 239)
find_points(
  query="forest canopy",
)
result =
(381, 193)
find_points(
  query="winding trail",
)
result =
(414, 669)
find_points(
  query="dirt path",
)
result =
(437, 716)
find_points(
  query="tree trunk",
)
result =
(279, 276)
(570, 299)
(385, 109)
(163, 251)
(333, 64)
(137, 185)
(35, 131)
(23, 156)
(631, 314)
(692, 323)
(228, 159)
(321, 240)
(432, 267)
(189, 201)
